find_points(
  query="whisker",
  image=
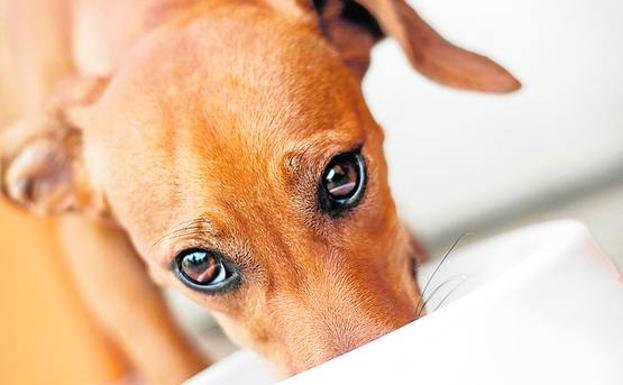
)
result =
(432, 294)
(449, 294)
(445, 257)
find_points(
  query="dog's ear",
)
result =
(41, 165)
(353, 26)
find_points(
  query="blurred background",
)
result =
(459, 162)
(472, 162)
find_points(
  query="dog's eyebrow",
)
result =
(327, 143)
(197, 225)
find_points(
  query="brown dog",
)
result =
(229, 140)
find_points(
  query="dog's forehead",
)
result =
(219, 100)
(248, 71)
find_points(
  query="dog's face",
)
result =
(237, 151)
(257, 185)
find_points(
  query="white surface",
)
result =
(240, 368)
(456, 155)
(541, 305)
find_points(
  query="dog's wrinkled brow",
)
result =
(201, 225)
(187, 229)
(326, 144)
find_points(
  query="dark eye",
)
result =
(342, 183)
(205, 270)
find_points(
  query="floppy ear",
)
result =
(41, 165)
(353, 26)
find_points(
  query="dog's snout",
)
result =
(351, 334)
(340, 315)
(337, 334)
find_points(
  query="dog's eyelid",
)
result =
(321, 150)
(235, 252)
(344, 150)
(184, 235)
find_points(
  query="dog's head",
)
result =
(235, 148)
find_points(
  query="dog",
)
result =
(226, 144)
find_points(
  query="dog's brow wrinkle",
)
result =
(183, 228)
(183, 233)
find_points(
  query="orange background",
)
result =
(46, 336)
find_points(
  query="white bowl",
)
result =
(540, 305)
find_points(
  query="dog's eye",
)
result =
(342, 183)
(205, 270)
